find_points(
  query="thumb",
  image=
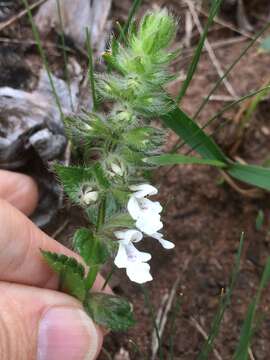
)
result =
(45, 325)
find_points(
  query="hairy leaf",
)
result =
(71, 273)
(110, 311)
(90, 247)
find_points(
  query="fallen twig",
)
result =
(162, 316)
(195, 323)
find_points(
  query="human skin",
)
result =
(36, 321)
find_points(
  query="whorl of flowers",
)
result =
(116, 143)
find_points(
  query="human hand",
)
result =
(36, 321)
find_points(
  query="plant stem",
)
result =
(93, 271)
(101, 214)
(108, 278)
(91, 277)
(91, 70)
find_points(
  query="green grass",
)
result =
(198, 51)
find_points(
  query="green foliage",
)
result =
(225, 300)
(110, 311)
(259, 220)
(249, 325)
(191, 133)
(71, 273)
(251, 174)
(90, 247)
(173, 159)
(198, 51)
(76, 181)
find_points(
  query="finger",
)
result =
(45, 325)
(19, 190)
(20, 256)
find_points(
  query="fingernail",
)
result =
(67, 333)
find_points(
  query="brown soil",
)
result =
(203, 216)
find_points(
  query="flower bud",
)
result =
(117, 169)
(88, 196)
(156, 31)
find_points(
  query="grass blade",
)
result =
(251, 174)
(91, 69)
(62, 36)
(175, 311)
(223, 304)
(134, 8)
(218, 115)
(226, 73)
(43, 56)
(249, 327)
(173, 159)
(193, 135)
(198, 51)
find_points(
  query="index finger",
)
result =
(19, 190)
(20, 257)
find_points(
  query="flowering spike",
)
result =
(115, 146)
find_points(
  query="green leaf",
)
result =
(251, 174)
(191, 133)
(110, 311)
(71, 273)
(100, 176)
(118, 221)
(91, 249)
(173, 159)
(259, 220)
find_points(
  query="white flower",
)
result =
(165, 243)
(144, 211)
(143, 190)
(130, 258)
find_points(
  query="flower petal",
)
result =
(143, 190)
(165, 243)
(133, 208)
(139, 272)
(121, 259)
(148, 205)
(134, 255)
(127, 236)
(149, 223)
